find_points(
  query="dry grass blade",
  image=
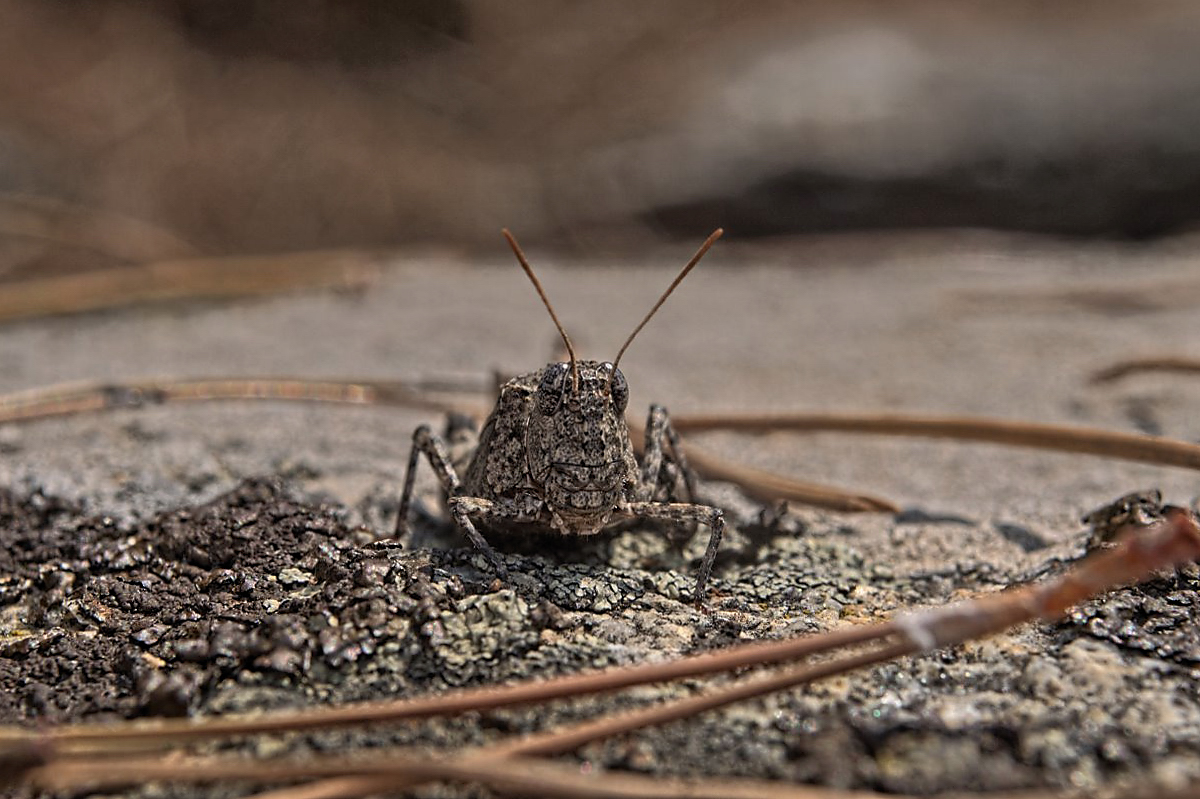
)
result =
(71, 398)
(768, 486)
(1114, 298)
(192, 278)
(78, 398)
(81, 228)
(525, 776)
(522, 776)
(571, 738)
(86, 397)
(1134, 366)
(1057, 438)
(332, 788)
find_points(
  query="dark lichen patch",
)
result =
(1159, 618)
(156, 615)
(257, 588)
(264, 599)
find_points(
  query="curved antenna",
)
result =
(712, 237)
(537, 284)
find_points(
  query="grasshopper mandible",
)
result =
(555, 455)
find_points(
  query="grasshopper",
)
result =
(555, 456)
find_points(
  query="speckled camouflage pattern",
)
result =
(1136, 509)
(555, 455)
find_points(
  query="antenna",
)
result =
(716, 234)
(537, 284)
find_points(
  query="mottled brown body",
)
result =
(555, 455)
(554, 459)
(1136, 509)
(570, 449)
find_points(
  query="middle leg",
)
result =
(662, 441)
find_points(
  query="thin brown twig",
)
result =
(85, 397)
(1058, 438)
(572, 737)
(1166, 363)
(217, 277)
(78, 398)
(348, 787)
(768, 486)
(524, 776)
(75, 398)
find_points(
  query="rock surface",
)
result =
(212, 559)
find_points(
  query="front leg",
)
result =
(434, 449)
(686, 513)
(463, 508)
(524, 508)
(658, 431)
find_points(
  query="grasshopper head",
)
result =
(578, 444)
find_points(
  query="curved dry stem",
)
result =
(1170, 364)
(521, 776)
(1057, 438)
(192, 278)
(572, 737)
(86, 397)
(72, 398)
(89, 397)
(768, 486)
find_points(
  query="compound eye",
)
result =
(620, 391)
(550, 392)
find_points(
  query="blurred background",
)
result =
(133, 131)
(943, 206)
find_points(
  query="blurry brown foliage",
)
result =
(266, 126)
